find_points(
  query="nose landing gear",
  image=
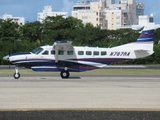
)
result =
(16, 75)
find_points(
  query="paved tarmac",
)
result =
(80, 92)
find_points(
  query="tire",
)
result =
(16, 75)
(64, 74)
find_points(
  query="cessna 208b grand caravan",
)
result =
(65, 58)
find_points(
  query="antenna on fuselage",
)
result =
(110, 46)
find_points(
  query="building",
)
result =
(19, 20)
(107, 14)
(90, 12)
(140, 9)
(143, 20)
(148, 20)
(116, 18)
(48, 12)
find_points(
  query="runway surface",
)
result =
(80, 92)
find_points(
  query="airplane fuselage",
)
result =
(80, 59)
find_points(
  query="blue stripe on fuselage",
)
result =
(20, 53)
(50, 61)
(74, 66)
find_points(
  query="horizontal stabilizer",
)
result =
(141, 50)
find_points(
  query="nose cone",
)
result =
(6, 57)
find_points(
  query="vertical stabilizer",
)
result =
(144, 41)
(146, 36)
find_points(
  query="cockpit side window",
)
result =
(37, 50)
(45, 52)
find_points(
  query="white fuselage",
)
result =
(84, 55)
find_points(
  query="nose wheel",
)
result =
(64, 74)
(16, 75)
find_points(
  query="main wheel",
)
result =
(16, 75)
(64, 74)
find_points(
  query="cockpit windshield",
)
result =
(37, 50)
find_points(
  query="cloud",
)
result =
(67, 6)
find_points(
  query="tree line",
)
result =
(22, 38)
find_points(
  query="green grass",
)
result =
(124, 71)
(97, 71)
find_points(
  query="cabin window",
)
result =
(61, 52)
(103, 53)
(45, 52)
(88, 53)
(70, 52)
(53, 52)
(95, 53)
(37, 50)
(80, 52)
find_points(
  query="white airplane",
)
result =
(65, 58)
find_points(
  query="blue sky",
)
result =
(30, 8)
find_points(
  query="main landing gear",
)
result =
(64, 74)
(16, 75)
